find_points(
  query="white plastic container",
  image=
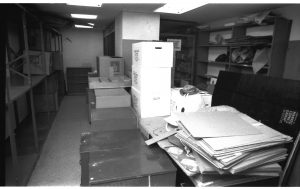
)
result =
(151, 104)
(147, 79)
(189, 103)
(152, 54)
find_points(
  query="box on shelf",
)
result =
(112, 98)
(37, 67)
(151, 78)
(151, 104)
(152, 54)
(111, 66)
(189, 103)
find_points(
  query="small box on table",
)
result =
(112, 98)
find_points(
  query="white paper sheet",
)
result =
(260, 59)
(216, 124)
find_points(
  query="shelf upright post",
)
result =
(45, 67)
(30, 83)
(193, 59)
(61, 43)
(55, 41)
(11, 133)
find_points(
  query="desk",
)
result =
(121, 158)
(150, 127)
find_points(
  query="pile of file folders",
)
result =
(221, 143)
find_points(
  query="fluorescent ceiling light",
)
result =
(179, 8)
(82, 26)
(84, 16)
(86, 4)
(92, 24)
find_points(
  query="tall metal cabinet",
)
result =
(272, 35)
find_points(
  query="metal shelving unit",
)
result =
(276, 43)
(21, 171)
(184, 60)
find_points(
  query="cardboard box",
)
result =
(146, 79)
(152, 54)
(111, 66)
(151, 104)
(112, 98)
(37, 67)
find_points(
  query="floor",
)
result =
(27, 153)
(58, 164)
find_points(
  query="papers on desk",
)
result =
(216, 124)
(229, 143)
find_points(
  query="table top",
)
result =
(17, 91)
(104, 83)
(119, 155)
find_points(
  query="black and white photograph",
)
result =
(161, 93)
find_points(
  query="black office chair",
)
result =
(291, 172)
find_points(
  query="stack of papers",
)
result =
(230, 144)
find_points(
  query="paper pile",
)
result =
(226, 145)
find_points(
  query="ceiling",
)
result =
(107, 12)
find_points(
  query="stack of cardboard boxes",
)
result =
(151, 78)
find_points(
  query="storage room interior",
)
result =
(162, 93)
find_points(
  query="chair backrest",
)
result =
(291, 172)
(273, 101)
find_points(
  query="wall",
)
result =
(118, 35)
(133, 27)
(140, 26)
(81, 47)
(292, 61)
(292, 12)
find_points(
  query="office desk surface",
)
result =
(17, 91)
(123, 155)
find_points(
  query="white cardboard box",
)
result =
(150, 104)
(112, 98)
(147, 79)
(37, 67)
(152, 54)
(111, 66)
